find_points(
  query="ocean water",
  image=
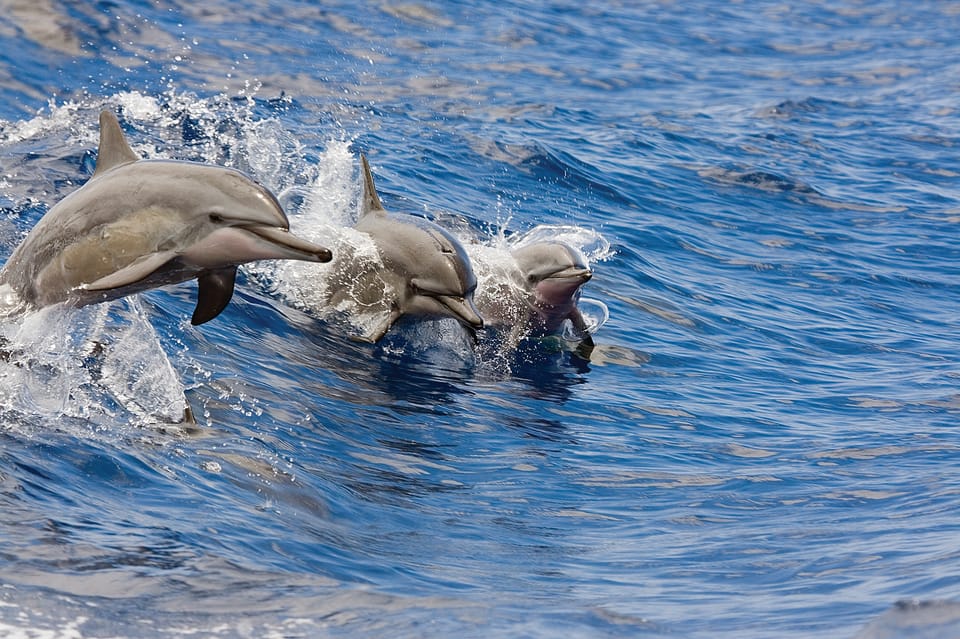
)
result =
(763, 442)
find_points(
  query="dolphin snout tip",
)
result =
(317, 253)
(472, 325)
(463, 309)
(581, 275)
(473, 316)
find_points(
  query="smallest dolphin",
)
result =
(425, 270)
(537, 295)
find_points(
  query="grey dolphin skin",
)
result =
(140, 224)
(426, 272)
(540, 291)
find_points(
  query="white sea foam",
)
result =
(79, 363)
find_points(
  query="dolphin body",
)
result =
(537, 293)
(425, 270)
(141, 224)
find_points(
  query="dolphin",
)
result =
(553, 272)
(140, 224)
(425, 270)
(538, 291)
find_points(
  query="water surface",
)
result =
(762, 443)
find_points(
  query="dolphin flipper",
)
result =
(579, 323)
(133, 272)
(379, 330)
(214, 290)
(585, 348)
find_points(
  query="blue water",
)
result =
(762, 444)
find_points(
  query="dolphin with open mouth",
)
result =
(535, 293)
(553, 274)
(140, 224)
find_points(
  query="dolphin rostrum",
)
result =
(539, 291)
(425, 270)
(140, 224)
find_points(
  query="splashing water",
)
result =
(98, 361)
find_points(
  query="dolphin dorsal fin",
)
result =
(113, 150)
(371, 201)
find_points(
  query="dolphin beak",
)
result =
(286, 245)
(569, 280)
(574, 274)
(463, 310)
(561, 287)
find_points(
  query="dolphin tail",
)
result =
(214, 290)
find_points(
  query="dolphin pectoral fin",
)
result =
(133, 272)
(214, 290)
(580, 324)
(113, 150)
(585, 348)
(378, 330)
(586, 339)
(371, 201)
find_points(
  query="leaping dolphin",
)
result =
(538, 292)
(426, 272)
(553, 272)
(140, 224)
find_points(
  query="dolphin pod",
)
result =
(140, 224)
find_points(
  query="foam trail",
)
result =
(100, 360)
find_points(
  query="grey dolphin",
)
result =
(140, 224)
(426, 272)
(536, 294)
(553, 272)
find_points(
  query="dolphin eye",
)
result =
(216, 218)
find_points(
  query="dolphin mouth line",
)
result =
(572, 273)
(283, 237)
